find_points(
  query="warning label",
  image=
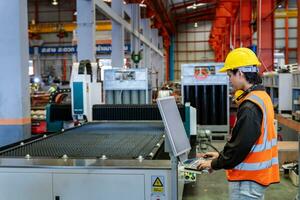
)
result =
(158, 183)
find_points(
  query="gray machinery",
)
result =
(208, 91)
(127, 86)
(86, 89)
(111, 158)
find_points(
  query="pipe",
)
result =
(171, 60)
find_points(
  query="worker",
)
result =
(250, 157)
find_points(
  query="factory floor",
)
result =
(215, 187)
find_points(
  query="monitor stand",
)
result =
(174, 169)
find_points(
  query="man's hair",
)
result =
(251, 77)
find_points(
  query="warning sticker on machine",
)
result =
(158, 185)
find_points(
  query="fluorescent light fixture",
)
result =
(194, 6)
(54, 2)
(142, 4)
(196, 25)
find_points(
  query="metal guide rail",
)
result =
(114, 140)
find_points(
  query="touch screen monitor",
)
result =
(175, 130)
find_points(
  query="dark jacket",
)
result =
(244, 135)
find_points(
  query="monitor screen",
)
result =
(174, 126)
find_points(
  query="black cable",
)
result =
(212, 146)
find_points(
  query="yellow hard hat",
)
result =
(240, 57)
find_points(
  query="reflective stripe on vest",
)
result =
(266, 145)
(257, 166)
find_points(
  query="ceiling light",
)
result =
(75, 13)
(142, 4)
(36, 80)
(54, 2)
(196, 25)
(194, 6)
(280, 6)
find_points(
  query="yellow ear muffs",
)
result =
(238, 95)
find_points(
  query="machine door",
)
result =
(25, 186)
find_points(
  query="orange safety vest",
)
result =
(261, 164)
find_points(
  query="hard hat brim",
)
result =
(224, 69)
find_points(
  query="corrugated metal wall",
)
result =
(191, 45)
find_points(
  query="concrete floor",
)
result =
(215, 187)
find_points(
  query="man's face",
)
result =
(237, 80)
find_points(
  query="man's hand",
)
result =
(210, 155)
(205, 165)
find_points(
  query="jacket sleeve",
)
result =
(244, 135)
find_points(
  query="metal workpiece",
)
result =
(115, 140)
(84, 163)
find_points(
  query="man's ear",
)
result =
(240, 73)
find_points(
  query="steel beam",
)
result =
(117, 44)
(197, 13)
(265, 30)
(105, 9)
(161, 61)
(135, 19)
(237, 25)
(197, 19)
(86, 30)
(245, 23)
(36, 62)
(146, 50)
